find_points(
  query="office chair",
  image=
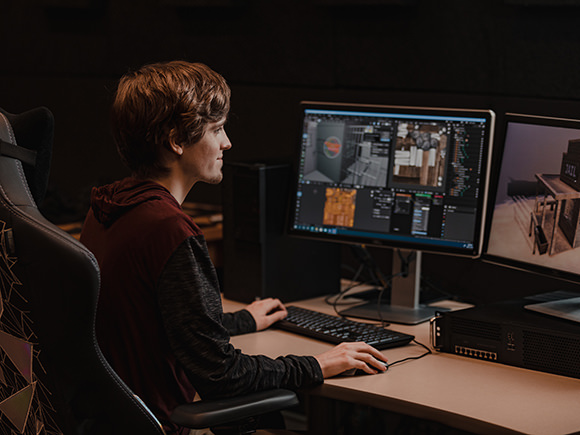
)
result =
(54, 378)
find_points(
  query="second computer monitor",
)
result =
(407, 177)
(535, 206)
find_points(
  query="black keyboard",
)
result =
(336, 330)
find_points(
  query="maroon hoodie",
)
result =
(160, 314)
(132, 228)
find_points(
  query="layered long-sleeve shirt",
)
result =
(160, 321)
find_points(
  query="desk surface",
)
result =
(478, 396)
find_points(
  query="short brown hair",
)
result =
(162, 102)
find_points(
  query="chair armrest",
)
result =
(208, 413)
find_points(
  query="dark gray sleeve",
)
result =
(190, 304)
(240, 322)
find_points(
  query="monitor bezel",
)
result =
(473, 252)
(524, 118)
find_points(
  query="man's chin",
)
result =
(215, 180)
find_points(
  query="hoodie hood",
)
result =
(112, 201)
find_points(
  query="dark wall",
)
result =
(516, 55)
(68, 54)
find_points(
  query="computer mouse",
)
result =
(359, 372)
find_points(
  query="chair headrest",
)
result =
(34, 130)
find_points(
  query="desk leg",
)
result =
(556, 222)
(544, 209)
(537, 194)
(532, 233)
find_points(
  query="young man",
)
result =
(160, 321)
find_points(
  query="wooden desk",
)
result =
(473, 395)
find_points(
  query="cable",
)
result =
(405, 262)
(340, 295)
(377, 277)
(366, 264)
(386, 282)
(428, 352)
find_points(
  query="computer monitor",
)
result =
(410, 178)
(535, 202)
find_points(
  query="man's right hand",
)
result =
(347, 356)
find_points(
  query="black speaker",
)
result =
(260, 259)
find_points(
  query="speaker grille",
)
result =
(475, 328)
(559, 355)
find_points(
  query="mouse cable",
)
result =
(428, 352)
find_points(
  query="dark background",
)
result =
(507, 55)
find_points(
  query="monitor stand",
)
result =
(568, 309)
(404, 306)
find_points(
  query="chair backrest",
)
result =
(53, 376)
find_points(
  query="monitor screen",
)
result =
(407, 177)
(395, 176)
(534, 207)
(535, 204)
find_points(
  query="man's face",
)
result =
(204, 159)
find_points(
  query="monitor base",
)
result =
(392, 313)
(568, 309)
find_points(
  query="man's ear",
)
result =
(174, 145)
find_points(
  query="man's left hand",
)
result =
(267, 312)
